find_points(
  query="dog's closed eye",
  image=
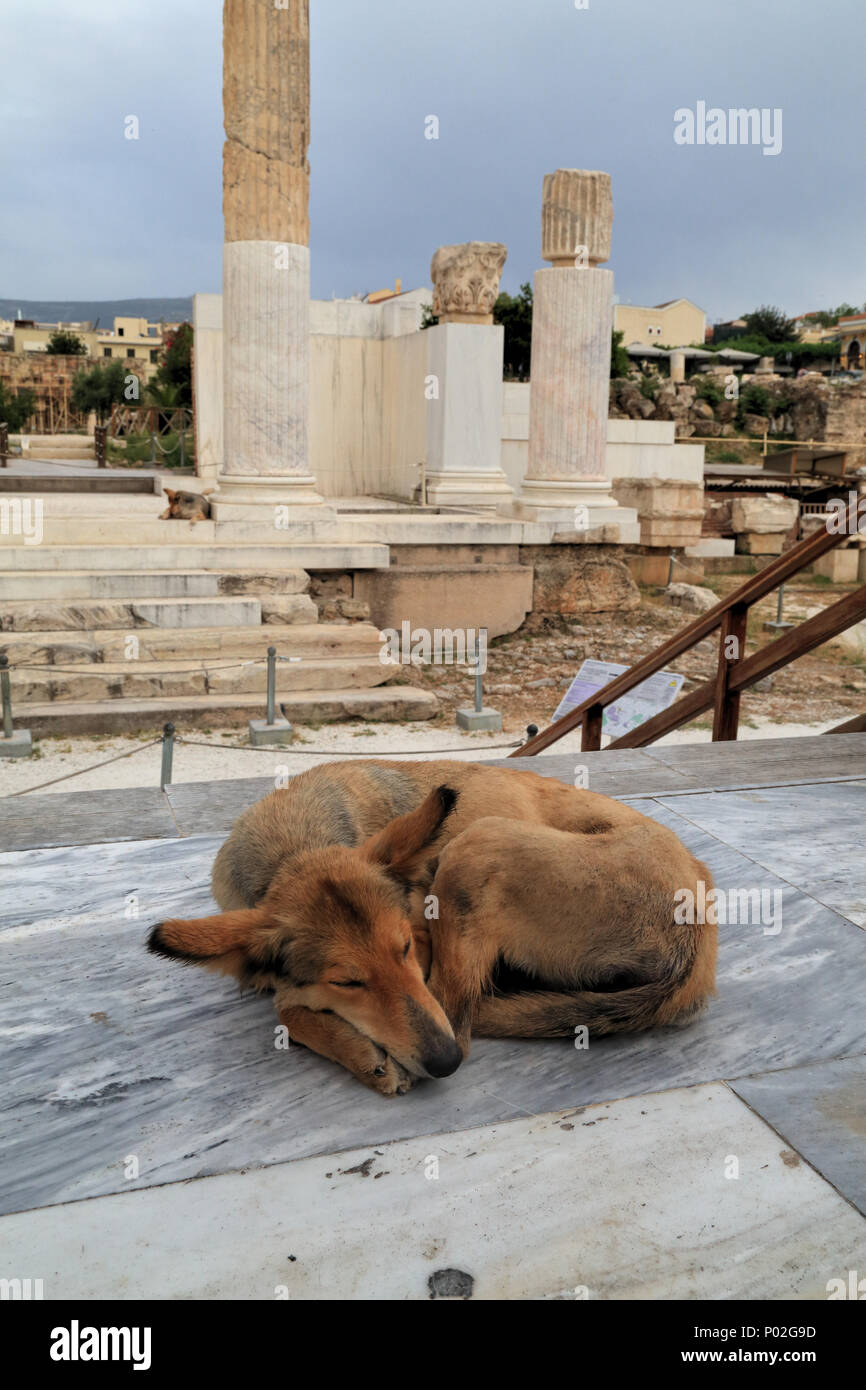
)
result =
(348, 984)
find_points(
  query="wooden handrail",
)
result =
(723, 692)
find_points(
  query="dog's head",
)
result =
(332, 934)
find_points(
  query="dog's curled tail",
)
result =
(675, 996)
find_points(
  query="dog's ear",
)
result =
(223, 940)
(404, 841)
(170, 493)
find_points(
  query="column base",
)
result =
(284, 500)
(581, 510)
(477, 488)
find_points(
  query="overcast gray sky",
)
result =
(520, 88)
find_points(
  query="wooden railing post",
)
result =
(590, 738)
(732, 643)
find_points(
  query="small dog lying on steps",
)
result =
(396, 908)
(186, 506)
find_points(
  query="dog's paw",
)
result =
(387, 1077)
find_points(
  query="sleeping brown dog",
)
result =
(395, 908)
(186, 506)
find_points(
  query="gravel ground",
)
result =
(196, 763)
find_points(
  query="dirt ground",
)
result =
(528, 673)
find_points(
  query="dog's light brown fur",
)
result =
(394, 908)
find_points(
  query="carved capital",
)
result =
(466, 281)
(576, 217)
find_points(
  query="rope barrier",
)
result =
(80, 773)
(676, 561)
(324, 752)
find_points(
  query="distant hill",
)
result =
(89, 310)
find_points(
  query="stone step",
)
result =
(23, 615)
(64, 521)
(147, 680)
(126, 584)
(127, 508)
(308, 640)
(385, 703)
(188, 551)
(62, 451)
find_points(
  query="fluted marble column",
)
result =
(266, 262)
(566, 481)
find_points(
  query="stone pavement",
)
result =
(724, 1160)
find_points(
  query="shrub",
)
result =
(15, 410)
(708, 389)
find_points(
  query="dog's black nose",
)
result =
(444, 1059)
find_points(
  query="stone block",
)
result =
(769, 513)
(479, 719)
(263, 733)
(761, 542)
(497, 597)
(20, 745)
(569, 580)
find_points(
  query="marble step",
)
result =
(128, 508)
(18, 615)
(183, 550)
(188, 712)
(309, 640)
(41, 615)
(147, 680)
(62, 451)
(55, 521)
(157, 583)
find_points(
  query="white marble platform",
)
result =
(635, 1199)
(110, 1054)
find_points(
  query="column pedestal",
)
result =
(464, 421)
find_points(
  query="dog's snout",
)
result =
(443, 1059)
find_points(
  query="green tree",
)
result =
(514, 312)
(62, 343)
(620, 363)
(769, 322)
(164, 394)
(175, 367)
(100, 389)
(15, 409)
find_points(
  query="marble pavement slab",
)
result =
(109, 1052)
(813, 837)
(751, 762)
(629, 1200)
(82, 818)
(618, 772)
(821, 1111)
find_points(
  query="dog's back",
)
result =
(344, 803)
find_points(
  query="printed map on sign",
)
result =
(648, 698)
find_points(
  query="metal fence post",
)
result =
(272, 677)
(167, 755)
(479, 717)
(4, 445)
(15, 743)
(271, 729)
(7, 696)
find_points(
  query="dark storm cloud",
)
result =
(519, 89)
